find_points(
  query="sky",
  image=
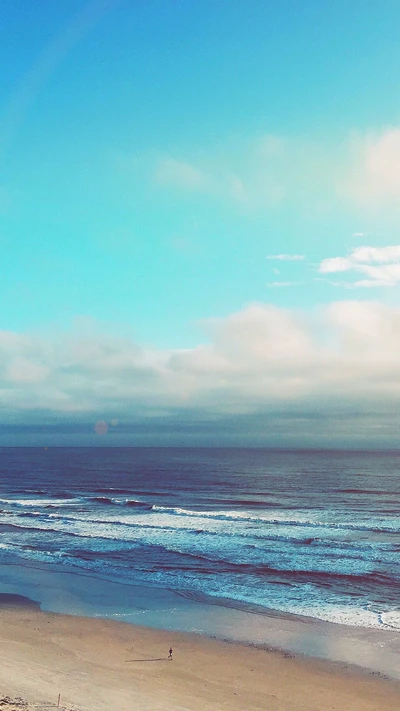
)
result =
(200, 223)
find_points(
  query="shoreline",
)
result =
(106, 664)
(86, 596)
(19, 602)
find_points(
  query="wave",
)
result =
(205, 565)
(36, 492)
(118, 528)
(286, 521)
(373, 492)
(4, 527)
(44, 503)
(258, 504)
(334, 556)
(324, 578)
(267, 518)
(102, 500)
(138, 504)
(43, 492)
(111, 490)
(117, 502)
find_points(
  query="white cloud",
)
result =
(286, 257)
(335, 264)
(389, 273)
(382, 255)
(21, 370)
(384, 270)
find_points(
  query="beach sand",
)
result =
(101, 664)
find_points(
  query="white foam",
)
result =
(276, 517)
(391, 619)
(38, 502)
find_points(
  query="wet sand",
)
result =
(73, 593)
(101, 664)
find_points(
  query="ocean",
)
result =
(312, 533)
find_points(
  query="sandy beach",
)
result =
(100, 664)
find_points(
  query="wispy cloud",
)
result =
(213, 179)
(286, 257)
(264, 173)
(381, 266)
(274, 284)
(180, 174)
(373, 176)
(270, 172)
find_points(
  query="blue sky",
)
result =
(192, 195)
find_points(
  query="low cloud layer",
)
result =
(263, 374)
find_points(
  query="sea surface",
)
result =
(313, 533)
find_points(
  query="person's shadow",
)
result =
(155, 659)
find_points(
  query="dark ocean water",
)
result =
(312, 533)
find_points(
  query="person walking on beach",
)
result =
(170, 653)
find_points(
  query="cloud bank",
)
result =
(263, 375)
